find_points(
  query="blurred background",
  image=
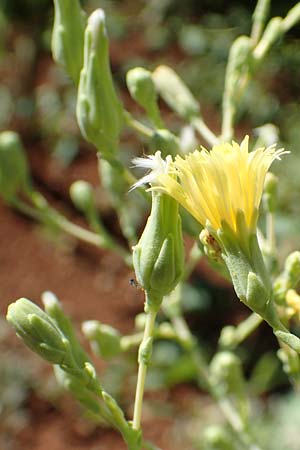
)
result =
(38, 101)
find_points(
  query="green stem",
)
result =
(271, 238)
(229, 411)
(242, 331)
(50, 215)
(205, 132)
(138, 126)
(144, 359)
(259, 19)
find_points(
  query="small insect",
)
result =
(133, 283)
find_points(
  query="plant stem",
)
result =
(143, 360)
(271, 239)
(138, 126)
(259, 19)
(225, 405)
(54, 217)
(205, 132)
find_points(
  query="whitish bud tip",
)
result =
(49, 299)
(89, 328)
(8, 137)
(96, 20)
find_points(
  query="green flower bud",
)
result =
(238, 67)
(270, 193)
(105, 340)
(165, 141)
(142, 90)
(158, 257)
(39, 332)
(211, 247)
(175, 93)
(82, 195)
(140, 321)
(14, 171)
(226, 373)
(99, 111)
(289, 278)
(54, 309)
(67, 36)
(217, 437)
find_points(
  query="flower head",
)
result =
(217, 186)
(156, 166)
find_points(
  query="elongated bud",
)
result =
(158, 257)
(226, 373)
(165, 141)
(237, 71)
(289, 278)
(105, 340)
(99, 111)
(273, 31)
(39, 332)
(67, 36)
(54, 309)
(270, 193)
(175, 93)
(82, 195)
(236, 79)
(142, 89)
(14, 171)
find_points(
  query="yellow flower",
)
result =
(216, 186)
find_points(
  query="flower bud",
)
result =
(105, 340)
(175, 93)
(226, 373)
(99, 111)
(289, 278)
(82, 195)
(238, 68)
(67, 36)
(54, 309)
(165, 141)
(217, 437)
(39, 332)
(14, 172)
(211, 247)
(270, 193)
(158, 257)
(142, 90)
